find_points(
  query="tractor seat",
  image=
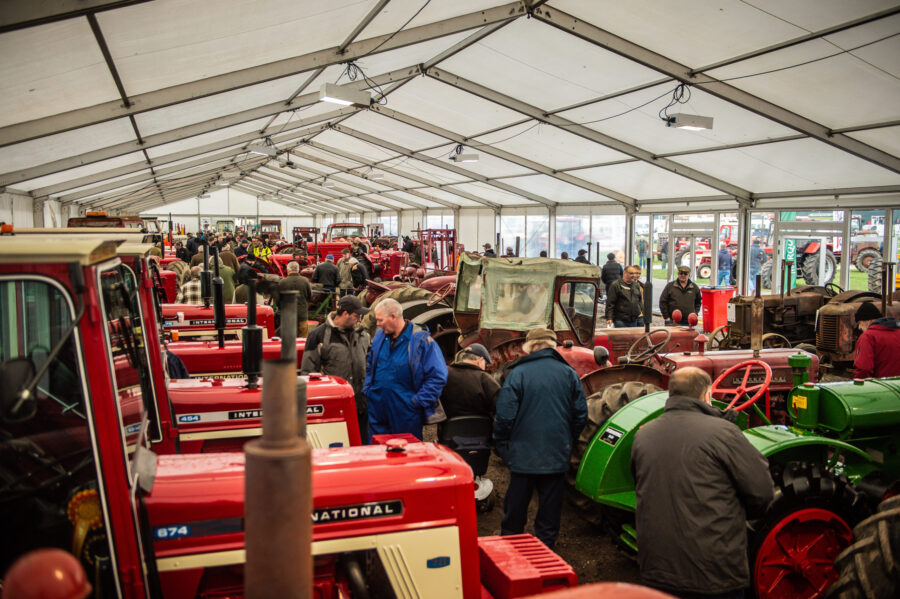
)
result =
(470, 437)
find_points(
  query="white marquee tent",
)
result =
(144, 105)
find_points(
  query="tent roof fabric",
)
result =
(135, 104)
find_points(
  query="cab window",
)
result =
(578, 302)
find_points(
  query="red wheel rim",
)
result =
(796, 559)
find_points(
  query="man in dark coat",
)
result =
(241, 249)
(191, 245)
(470, 391)
(680, 294)
(625, 300)
(182, 252)
(878, 348)
(488, 251)
(698, 480)
(327, 274)
(582, 257)
(294, 282)
(338, 347)
(611, 271)
(541, 410)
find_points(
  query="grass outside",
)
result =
(858, 280)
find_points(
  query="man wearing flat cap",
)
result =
(541, 410)
(488, 251)
(470, 391)
(878, 347)
(681, 294)
(339, 347)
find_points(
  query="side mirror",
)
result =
(16, 373)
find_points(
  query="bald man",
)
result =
(697, 480)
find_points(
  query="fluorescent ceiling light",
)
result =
(464, 157)
(376, 176)
(263, 150)
(336, 94)
(691, 122)
(328, 184)
(224, 184)
(203, 196)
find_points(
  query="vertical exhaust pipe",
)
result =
(288, 304)
(278, 525)
(251, 340)
(648, 294)
(206, 277)
(218, 293)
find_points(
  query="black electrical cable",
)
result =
(680, 95)
(391, 36)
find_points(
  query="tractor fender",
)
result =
(775, 439)
(812, 247)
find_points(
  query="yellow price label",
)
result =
(800, 402)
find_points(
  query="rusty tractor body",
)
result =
(836, 330)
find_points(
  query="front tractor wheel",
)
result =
(808, 524)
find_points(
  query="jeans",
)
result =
(724, 277)
(550, 489)
(752, 286)
(639, 322)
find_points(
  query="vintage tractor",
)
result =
(197, 415)
(77, 472)
(836, 330)
(836, 460)
(789, 319)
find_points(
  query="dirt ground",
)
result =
(587, 548)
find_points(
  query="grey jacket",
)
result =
(331, 351)
(697, 479)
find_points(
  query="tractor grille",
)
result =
(828, 335)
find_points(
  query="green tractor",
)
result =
(831, 466)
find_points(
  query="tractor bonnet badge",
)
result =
(438, 562)
(359, 511)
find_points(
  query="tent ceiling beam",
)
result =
(217, 84)
(356, 185)
(344, 197)
(442, 164)
(385, 182)
(585, 132)
(406, 175)
(314, 195)
(19, 15)
(508, 156)
(169, 158)
(667, 66)
(266, 188)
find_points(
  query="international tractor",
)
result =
(217, 411)
(77, 471)
(834, 462)
(836, 328)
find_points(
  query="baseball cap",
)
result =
(479, 350)
(487, 246)
(540, 334)
(867, 311)
(329, 257)
(351, 303)
(582, 252)
(686, 269)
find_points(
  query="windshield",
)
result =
(347, 231)
(48, 472)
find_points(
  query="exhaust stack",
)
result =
(251, 341)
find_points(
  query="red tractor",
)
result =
(79, 474)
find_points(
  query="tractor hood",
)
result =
(717, 362)
(205, 359)
(222, 408)
(195, 511)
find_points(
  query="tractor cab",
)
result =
(498, 300)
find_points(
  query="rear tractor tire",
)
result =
(864, 259)
(600, 406)
(766, 275)
(809, 269)
(870, 567)
(807, 525)
(876, 266)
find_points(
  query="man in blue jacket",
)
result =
(725, 262)
(405, 374)
(541, 410)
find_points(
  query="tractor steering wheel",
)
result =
(743, 389)
(652, 348)
(441, 294)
